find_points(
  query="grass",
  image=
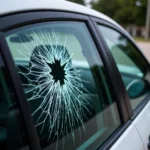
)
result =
(141, 39)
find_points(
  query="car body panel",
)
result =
(136, 136)
(142, 123)
(15, 6)
(129, 140)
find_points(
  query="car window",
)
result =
(12, 133)
(132, 66)
(65, 84)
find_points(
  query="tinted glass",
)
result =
(12, 133)
(65, 84)
(131, 64)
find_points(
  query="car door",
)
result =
(134, 70)
(67, 85)
(70, 86)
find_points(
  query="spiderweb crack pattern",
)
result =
(53, 78)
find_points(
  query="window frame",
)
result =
(21, 101)
(109, 25)
(14, 20)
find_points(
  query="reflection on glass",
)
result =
(133, 68)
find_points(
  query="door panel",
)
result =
(142, 123)
(136, 137)
(130, 140)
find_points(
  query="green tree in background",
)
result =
(77, 1)
(108, 7)
(123, 11)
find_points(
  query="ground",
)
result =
(145, 48)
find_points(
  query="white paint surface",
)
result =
(129, 140)
(10, 6)
(136, 137)
(142, 123)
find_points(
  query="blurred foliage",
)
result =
(124, 12)
(141, 39)
(77, 1)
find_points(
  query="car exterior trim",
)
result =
(24, 109)
(118, 84)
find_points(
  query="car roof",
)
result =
(13, 6)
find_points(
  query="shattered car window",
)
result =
(64, 82)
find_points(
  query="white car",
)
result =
(71, 78)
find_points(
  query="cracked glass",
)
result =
(65, 84)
